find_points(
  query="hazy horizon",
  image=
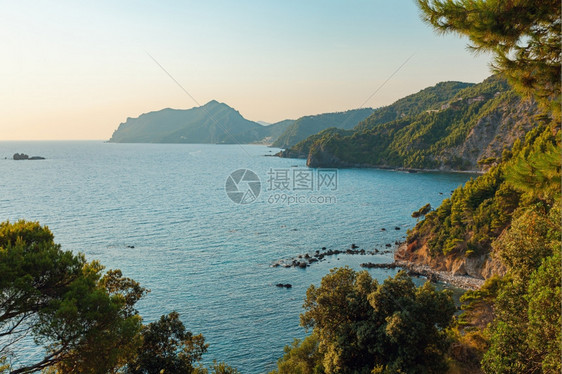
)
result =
(76, 71)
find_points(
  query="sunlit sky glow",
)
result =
(75, 70)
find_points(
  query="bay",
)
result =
(160, 213)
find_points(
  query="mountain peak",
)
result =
(213, 103)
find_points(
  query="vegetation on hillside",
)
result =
(310, 125)
(431, 98)
(435, 135)
(513, 212)
(477, 213)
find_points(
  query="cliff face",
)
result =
(480, 267)
(492, 133)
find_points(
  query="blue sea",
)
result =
(161, 213)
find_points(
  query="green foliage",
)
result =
(342, 317)
(303, 148)
(422, 211)
(544, 300)
(477, 213)
(360, 326)
(527, 242)
(85, 320)
(310, 125)
(167, 348)
(431, 98)
(64, 302)
(536, 170)
(217, 368)
(523, 36)
(302, 357)
(515, 207)
(525, 336)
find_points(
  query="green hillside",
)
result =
(450, 126)
(309, 125)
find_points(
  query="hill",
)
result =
(309, 125)
(213, 122)
(451, 126)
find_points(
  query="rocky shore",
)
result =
(413, 268)
(461, 281)
(416, 270)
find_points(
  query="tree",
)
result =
(167, 348)
(85, 320)
(422, 211)
(302, 357)
(523, 36)
(412, 338)
(544, 299)
(341, 316)
(364, 327)
(65, 303)
(525, 334)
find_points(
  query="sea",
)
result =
(201, 226)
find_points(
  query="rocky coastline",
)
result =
(413, 267)
(467, 273)
(461, 281)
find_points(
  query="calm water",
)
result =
(200, 253)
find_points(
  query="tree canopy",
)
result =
(361, 326)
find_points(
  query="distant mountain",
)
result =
(264, 134)
(450, 126)
(217, 122)
(310, 125)
(213, 122)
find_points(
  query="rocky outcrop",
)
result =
(290, 153)
(479, 267)
(493, 133)
(321, 158)
(23, 156)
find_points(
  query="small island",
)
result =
(23, 156)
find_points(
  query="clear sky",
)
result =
(76, 69)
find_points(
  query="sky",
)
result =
(77, 69)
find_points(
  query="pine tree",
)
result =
(523, 36)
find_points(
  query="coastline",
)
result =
(282, 154)
(461, 281)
